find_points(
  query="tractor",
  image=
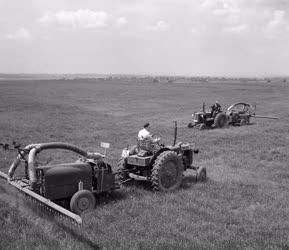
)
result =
(208, 119)
(161, 166)
(238, 114)
(55, 185)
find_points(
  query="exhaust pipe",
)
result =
(175, 133)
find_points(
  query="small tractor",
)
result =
(239, 114)
(76, 183)
(208, 119)
(162, 166)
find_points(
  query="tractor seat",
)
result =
(146, 145)
(144, 153)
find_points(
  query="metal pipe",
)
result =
(175, 133)
(54, 145)
(266, 117)
(34, 149)
(31, 168)
(138, 177)
(16, 162)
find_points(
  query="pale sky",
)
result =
(167, 37)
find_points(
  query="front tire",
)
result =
(201, 174)
(202, 126)
(167, 172)
(243, 122)
(190, 125)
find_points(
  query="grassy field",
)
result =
(243, 205)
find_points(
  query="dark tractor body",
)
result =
(62, 181)
(162, 166)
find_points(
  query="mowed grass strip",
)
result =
(244, 203)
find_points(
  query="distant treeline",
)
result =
(161, 78)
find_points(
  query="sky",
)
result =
(231, 38)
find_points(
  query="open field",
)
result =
(243, 205)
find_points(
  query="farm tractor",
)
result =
(238, 114)
(208, 119)
(161, 166)
(75, 183)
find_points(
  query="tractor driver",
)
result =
(216, 108)
(144, 134)
(145, 141)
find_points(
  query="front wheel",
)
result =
(243, 122)
(202, 126)
(190, 125)
(201, 174)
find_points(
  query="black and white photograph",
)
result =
(153, 124)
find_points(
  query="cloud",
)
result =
(235, 29)
(194, 30)
(20, 34)
(82, 18)
(212, 4)
(160, 26)
(277, 24)
(121, 21)
(258, 18)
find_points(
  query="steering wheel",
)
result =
(157, 140)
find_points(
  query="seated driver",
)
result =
(145, 138)
(216, 108)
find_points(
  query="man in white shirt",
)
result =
(144, 134)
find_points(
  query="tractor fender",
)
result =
(157, 154)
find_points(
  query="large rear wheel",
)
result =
(167, 172)
(220, 120)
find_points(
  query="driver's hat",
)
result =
(146, 125)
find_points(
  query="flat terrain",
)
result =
(243, 205)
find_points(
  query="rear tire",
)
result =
(167, 172)
(220, 120)
(82, 201)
